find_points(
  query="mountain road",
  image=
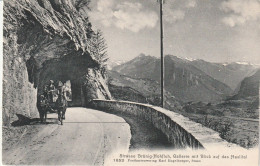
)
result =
(86, 137)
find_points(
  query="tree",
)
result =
(79, 4)
(98, 50)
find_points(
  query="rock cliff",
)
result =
(43, 40)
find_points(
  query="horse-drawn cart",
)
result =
(55, 102)
(59, 104)
(52, 98)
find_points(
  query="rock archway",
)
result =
(86, 81)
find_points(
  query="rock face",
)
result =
(43, 40)
(19, 95)
(94, 86)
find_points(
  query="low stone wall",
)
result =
(180, 131)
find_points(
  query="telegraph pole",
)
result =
(162, 59)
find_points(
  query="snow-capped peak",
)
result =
(243, 63)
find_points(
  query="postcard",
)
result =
(130, 82)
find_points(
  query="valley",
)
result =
(222, 97)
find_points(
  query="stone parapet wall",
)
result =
(180, 131)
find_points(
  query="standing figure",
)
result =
(60, 87)
(61, 103)
(42, 106)
(51, 89)
(45, 92)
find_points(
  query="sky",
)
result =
(212, 30)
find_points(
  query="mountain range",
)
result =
(230, 74)
(186, 80)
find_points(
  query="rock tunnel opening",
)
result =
(86, 81)
(70, 70)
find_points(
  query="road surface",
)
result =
(86, 137)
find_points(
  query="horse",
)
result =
(61, 106)
(43, 107)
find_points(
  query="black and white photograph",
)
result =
(130, 82)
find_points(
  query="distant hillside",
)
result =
(182, 79)
(230, 74)
(127, 94)
(139, 90)
(249, 87)
(111, 63)
(140, 67)
(244, 104)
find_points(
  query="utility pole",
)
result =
(162, 59)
